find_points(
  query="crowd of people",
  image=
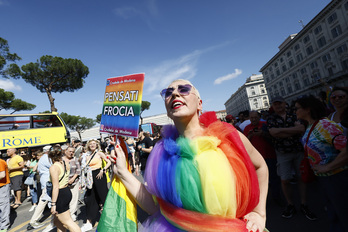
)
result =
(65, 167)
(312, 128)
(214, 175)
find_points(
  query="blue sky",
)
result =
(216, 44)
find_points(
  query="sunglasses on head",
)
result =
(182, 89)
(333, 96)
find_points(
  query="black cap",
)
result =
(278, 99)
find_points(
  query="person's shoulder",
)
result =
(100, 153)
(327, 123)
(3, 162)
(19, 158)
(44, 159)
(271, 116)
(247, 128)
(56, 166)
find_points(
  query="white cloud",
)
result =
(227, 77)
(181, 68)
(128, 12)
(9, 85)
(184, 67)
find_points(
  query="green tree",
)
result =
(145, 105)
(9, 102)
(77, 123)
(51, 75)
(6, 56)
(98, 118)
(7, 98)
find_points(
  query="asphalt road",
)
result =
(21, 217)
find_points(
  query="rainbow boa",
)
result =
(205, 184)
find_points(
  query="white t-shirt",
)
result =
(244, 124)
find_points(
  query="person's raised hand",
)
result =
(255, 222)
(118, 159)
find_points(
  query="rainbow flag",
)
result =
(120, 208)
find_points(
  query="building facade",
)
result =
(221, 114)
(313, 59)
(251, 96)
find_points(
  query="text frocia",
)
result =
(120, 96)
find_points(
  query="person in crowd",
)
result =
(82, 191)
(32, 166)
(15, 168)
(264, 115)
(246, 120)
(327, 154)
(131, 158)
(4, 196)
(286, 131)
(156, 138)
(96, 196)
(322, 96)
(197, 171)
(61, 194)
(144, 147)
(339, 99)
(43, 167)
(26, 159)
(230, 119)
(240, 120)
(78, 148)
(74, 184)
(260, 138)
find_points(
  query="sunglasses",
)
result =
(337, 96)
(183, 90)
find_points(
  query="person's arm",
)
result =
(2, 174)
(257, 218)
(35, 167)
(19, 168)
(287, 132)
(108, 163)
(72, 179)
(54, 174)
(340, 161)
(148, 144)
(147, 150)
(133, 185)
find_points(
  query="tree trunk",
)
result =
(79, 135)
(51, 99)
(141, 120)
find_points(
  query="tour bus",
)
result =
(32, 130)
(151, 128)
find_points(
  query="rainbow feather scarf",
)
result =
(205, 184)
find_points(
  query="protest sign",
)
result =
(122, 105)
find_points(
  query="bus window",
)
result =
(14, 123)
(41, 121)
